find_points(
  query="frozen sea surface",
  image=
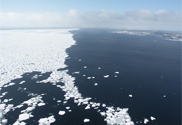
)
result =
(36, 87)
(88, 76)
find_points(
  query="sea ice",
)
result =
(130, 95)
(95, 84)
(145, 121)
(88, 77)
(87, 107)
(41, 104)
(67, 107)
(103, 105)
(24, 116)
(47, 121)
(61, 112)
(106, 76)
(86, 120)
(152, 118)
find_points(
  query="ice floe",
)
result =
(24, 116)
(95, 84)
(41, 104)
(152, 118)
(106, 76)
(130, 95)
(117, 116)
(61, 112)
(146, 121)
(86, 120)
(47, 121)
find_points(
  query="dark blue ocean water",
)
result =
(149, 69)
(149, 66)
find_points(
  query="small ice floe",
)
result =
(106, 76)
(117, 72)
(4, 121)
(94, 105)
(103, 105)
(84, 75)
(88, 77)
(6, 100)
(67, 108)
(95, 84)
(61, 112)
(145, 121)
(76, 72)
(87, 107)
(11, 84)
(79, 60)
(86, 120)
(41, 104)
(115, 76)
(130, 95)
(65, 102)
(47, 121)
(85, 67)
(152, 118)
(19, 106)
(10, 99)
(24, 116)
(34, 77)
(22, 82)
(58, 101)
(103, 113)
(99, 67)
(164, 96)
(93, 77)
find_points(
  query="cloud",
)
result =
(142, 19)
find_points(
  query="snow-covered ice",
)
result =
(146, 121)
(61, 112)
(130, 95)
(86, 120)
(106, 76)
(152, 118)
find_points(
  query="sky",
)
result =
(121, 14)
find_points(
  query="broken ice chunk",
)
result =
(95, 84)
(86, 120)
(152, 118)
(145, 121)
(130, 95)
(24, 116)
(61, 112)
(106, 76)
